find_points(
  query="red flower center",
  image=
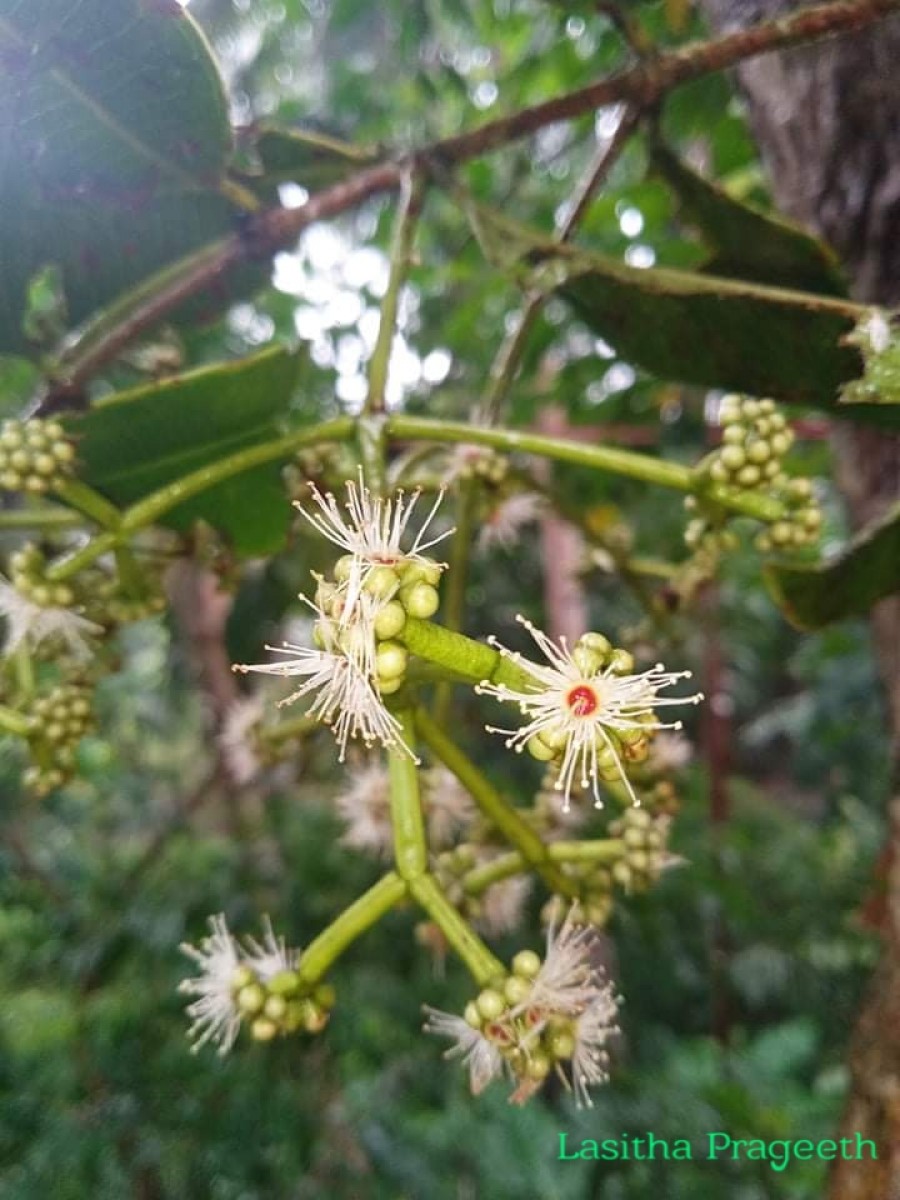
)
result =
(582, 700)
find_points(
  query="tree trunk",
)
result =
(827, 122)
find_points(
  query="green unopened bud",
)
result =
(420, 600)
(490, 1004)
(516, 990)
(390, 620)
(538, 1066)
(284, 983)
(250, 999)
(526, 964)
(275, 1007)
(263, 1030)
(344, 567)
(471, 1015)
(390, 661)
(621, 662)
(561, 1044)
(381, 582)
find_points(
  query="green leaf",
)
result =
(691, 327)
(867, 571)
(135, 442)
(306, 156)
(744, 242)
(114, 136)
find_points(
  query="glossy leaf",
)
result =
(135, 442)
(113, 139)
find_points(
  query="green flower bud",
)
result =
(263, 1030)
(539, 749)
(586, 660)
(490, 1004)
(381, 582)
(516, 990)
(285, 983)
(733, 457)
(344, 567)
(275, 1007)
(390, 661)
(325, 995)
(621, 662)
(561, 1043)
(242, 977)
(250, 999)
(420, 600)
(538, 1066)
(471, 1015)
(390, 620)
(526, 964)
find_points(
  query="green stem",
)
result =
(469, 661)
(23, 667)
(508, 821)
(606, 850)
(482, 964)
(84, 499)
(39, 518)
(130, 575)
(14, 722)
(323, 950)
(410, 846)
(372, 444)
(152, 507)
(412, 191)
(601, 458)
(457, 578)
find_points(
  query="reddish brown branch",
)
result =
(641, 85)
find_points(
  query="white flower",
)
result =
(590, 1059)
(567, 980)
(448, 806)
(365, 808)
(502, 905)
(238, 752)
(503, 525)
(214, 1014)
(670, 752)
(583, 711)
(483, 1059)
(271, 956)
(346, 699)
(371, 531)
(32, 624)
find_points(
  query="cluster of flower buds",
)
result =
(478, 462)
(755, 440)
(646, 849)
(28, 575)
(35, 456)
(391, 594)
(115, 605)
(60, 719)
(255, 984)
(556, 1014)
(278, 1006)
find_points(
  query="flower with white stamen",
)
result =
(214, 1014)
(482, 1058)
(584, 714)
(590, 1059)
(271, 956)
(30, 624)
(566, 981)
(345, 699)
(371, 531)
(504, 523)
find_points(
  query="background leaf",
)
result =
(849, 585)
(113, 140)
(137, 441)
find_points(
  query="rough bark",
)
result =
(827, 122)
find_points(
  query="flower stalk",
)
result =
(364, 912)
